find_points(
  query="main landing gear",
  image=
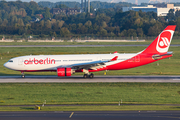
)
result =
(88, 75)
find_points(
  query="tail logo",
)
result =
(164, 40)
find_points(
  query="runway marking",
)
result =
(176, 79)
(71, 115)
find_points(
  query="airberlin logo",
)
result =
(164, 40)
(40, 61)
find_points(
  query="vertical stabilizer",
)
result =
(162, 42)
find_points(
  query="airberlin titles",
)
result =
(40, 61)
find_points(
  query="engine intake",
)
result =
(64, 71)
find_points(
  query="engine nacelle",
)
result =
(64, 71)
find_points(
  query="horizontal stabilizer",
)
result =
(156, 56)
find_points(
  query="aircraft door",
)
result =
(20, 61)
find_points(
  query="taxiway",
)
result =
(80, 79)
(95, 115)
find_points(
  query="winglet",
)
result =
(115, 52)
(114, 59)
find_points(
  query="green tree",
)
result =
(47, 13)
(88, 23)
(123, 33)
(177, 13)
(64, 32)
(54, 34)
(156, 29)
(42, 23)
(102, 33)
(0, 21)
(170, 15)
(140, 32)
(60, 23)
(23, 12)
(102, 18)
(112, 34)
(48, 24)
(103, 24)
(78, 31)
(5, 22)
(61, 6)
(178, 24)
(20, 22)
(138, 22)
(117, 30)
(84, 30)
(73, 28)
(13, 20)
(131, 32)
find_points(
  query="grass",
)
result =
(93, 108)
(162, 67)
(89, 93)
(75, 43)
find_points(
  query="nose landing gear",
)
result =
(23, 76)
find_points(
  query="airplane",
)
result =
(66, 65)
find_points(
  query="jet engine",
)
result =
(64, 72)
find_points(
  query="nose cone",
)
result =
(6, 65)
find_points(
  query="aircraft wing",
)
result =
(90, 65)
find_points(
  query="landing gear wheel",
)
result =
(23, 76)
(85, 76)
(91, 75)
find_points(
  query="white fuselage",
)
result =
(52, 62)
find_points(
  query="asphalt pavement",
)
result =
(92, 115)
(80, 79)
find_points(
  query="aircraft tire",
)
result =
(91, 75)
(85, 76)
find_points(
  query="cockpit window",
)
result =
(10, 60)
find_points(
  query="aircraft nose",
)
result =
(6, 65)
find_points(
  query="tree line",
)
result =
(20, 18)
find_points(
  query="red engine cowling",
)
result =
(64, 71)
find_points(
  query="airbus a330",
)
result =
(66, 65)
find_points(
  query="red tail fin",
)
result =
(162, 42)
